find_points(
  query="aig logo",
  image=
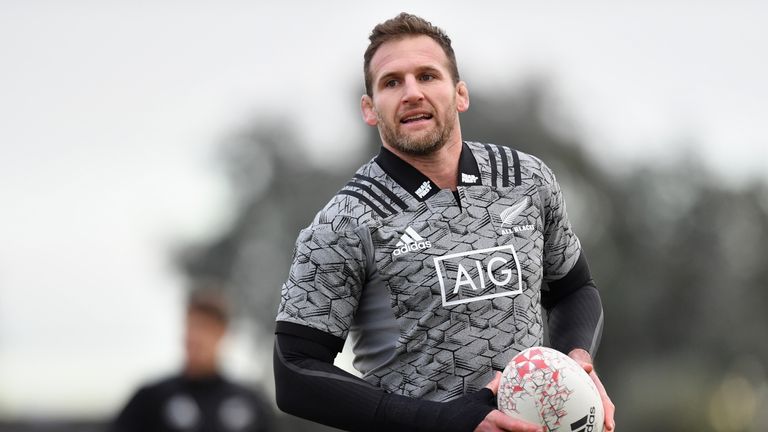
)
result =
(479, 275)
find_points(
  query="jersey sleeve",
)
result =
(561, 246)
(325, 280)
(335, 398)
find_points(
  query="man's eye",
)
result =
(427, 77)
(390, 83)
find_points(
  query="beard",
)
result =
(419, 143)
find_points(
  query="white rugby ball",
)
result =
(546, 387)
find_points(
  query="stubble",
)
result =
(419, 144)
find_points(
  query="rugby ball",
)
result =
(546, 387)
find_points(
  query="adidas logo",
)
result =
(586, 423)
(410, 241)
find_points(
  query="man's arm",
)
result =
(574, 310)
(308, 385)
(575, 318)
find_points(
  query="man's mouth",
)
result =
(415, 118)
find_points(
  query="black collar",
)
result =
(419, 185)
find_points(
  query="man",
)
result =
(199, 399)
(432, 260)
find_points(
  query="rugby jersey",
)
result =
(435, 288)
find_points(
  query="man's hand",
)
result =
(585, 360)
(497, 421)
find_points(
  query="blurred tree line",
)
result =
(679, 255)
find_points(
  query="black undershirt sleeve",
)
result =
(574, 310)
(308, 385)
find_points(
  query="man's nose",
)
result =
(411, 90)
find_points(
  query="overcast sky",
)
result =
(111, 114)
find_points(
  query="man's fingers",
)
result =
(520, 425)
(494, 384)
(608, 407)
(498, 421)
(588, 367)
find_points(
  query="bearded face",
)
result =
(415, 100)
(428, 138)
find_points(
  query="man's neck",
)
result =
(200, 371)
(442, 166)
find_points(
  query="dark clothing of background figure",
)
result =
(183, 404)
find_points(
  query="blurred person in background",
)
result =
(435, 259)
(199, 398)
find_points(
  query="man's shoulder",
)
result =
(535, 167)
(368, 197)
(158, 387)
(530, 167)
(242, 388)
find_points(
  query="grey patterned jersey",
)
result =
(436, 288)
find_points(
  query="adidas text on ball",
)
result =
(546, 387)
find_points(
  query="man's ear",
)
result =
(462, 97)
(369, 112)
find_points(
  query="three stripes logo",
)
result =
(586, 423)
(410, 241)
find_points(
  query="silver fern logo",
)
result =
(510, 215)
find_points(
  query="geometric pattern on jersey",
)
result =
(432, 319)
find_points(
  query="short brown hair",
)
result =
(399, 27)
(212, 304)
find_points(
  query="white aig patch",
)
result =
(479, 275)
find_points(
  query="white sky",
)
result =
(111, 113)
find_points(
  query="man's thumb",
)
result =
(494, 384)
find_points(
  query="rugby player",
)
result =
(200, 397)
(436, 259)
